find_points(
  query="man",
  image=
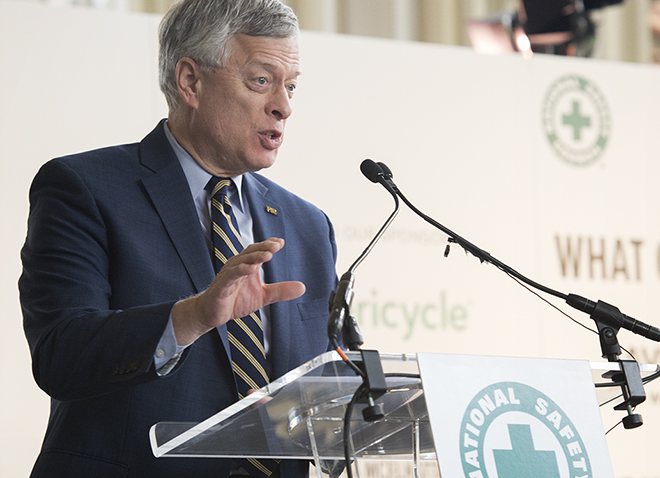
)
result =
(125, 316)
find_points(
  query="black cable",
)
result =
(346, 360)
(650, 378)
(610, 400)
(532, 291)
(361, 390)
(617, 424)
(347, 428)
(575, 301)
(480, 254)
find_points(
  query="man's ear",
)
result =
(188, 81)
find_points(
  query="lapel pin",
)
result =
(271, 210)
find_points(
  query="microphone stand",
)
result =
(608, 318)
(369, 368)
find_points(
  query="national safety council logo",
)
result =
(576, 120)
(511, 430)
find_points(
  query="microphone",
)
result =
(371, 170)
(386, 171)
(379, 173)
(613, 317)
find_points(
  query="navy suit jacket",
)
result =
(113, 242)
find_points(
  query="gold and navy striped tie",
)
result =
(246, 334)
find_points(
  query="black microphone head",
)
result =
(371, 170)
(386, 171)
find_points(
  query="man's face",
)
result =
(238, 124)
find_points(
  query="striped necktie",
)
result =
(246, 334)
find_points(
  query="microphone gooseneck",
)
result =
(340, 301)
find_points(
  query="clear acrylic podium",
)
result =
(301, 416)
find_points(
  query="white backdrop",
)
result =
(464, 136)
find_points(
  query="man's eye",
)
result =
(291, 88)
(262, 80)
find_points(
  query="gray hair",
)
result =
(202, 29)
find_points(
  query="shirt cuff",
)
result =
(168, 352)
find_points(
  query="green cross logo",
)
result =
(523, 459)
(512, 430)
(576, 120)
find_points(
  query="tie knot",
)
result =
(216, 184)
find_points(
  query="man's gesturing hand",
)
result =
(235, 292)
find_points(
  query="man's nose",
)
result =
(280, 104)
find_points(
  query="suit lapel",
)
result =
(267, 216)
(269, 220)
(169, 191)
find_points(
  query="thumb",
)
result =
(283, 291)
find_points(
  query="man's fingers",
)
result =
(255, 254)
(271, 245)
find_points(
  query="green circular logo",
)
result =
(576, 120)
(511, 430)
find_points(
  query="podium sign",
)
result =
(512, 417)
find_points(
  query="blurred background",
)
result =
(627, 30)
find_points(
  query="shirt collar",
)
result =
(197, 176)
